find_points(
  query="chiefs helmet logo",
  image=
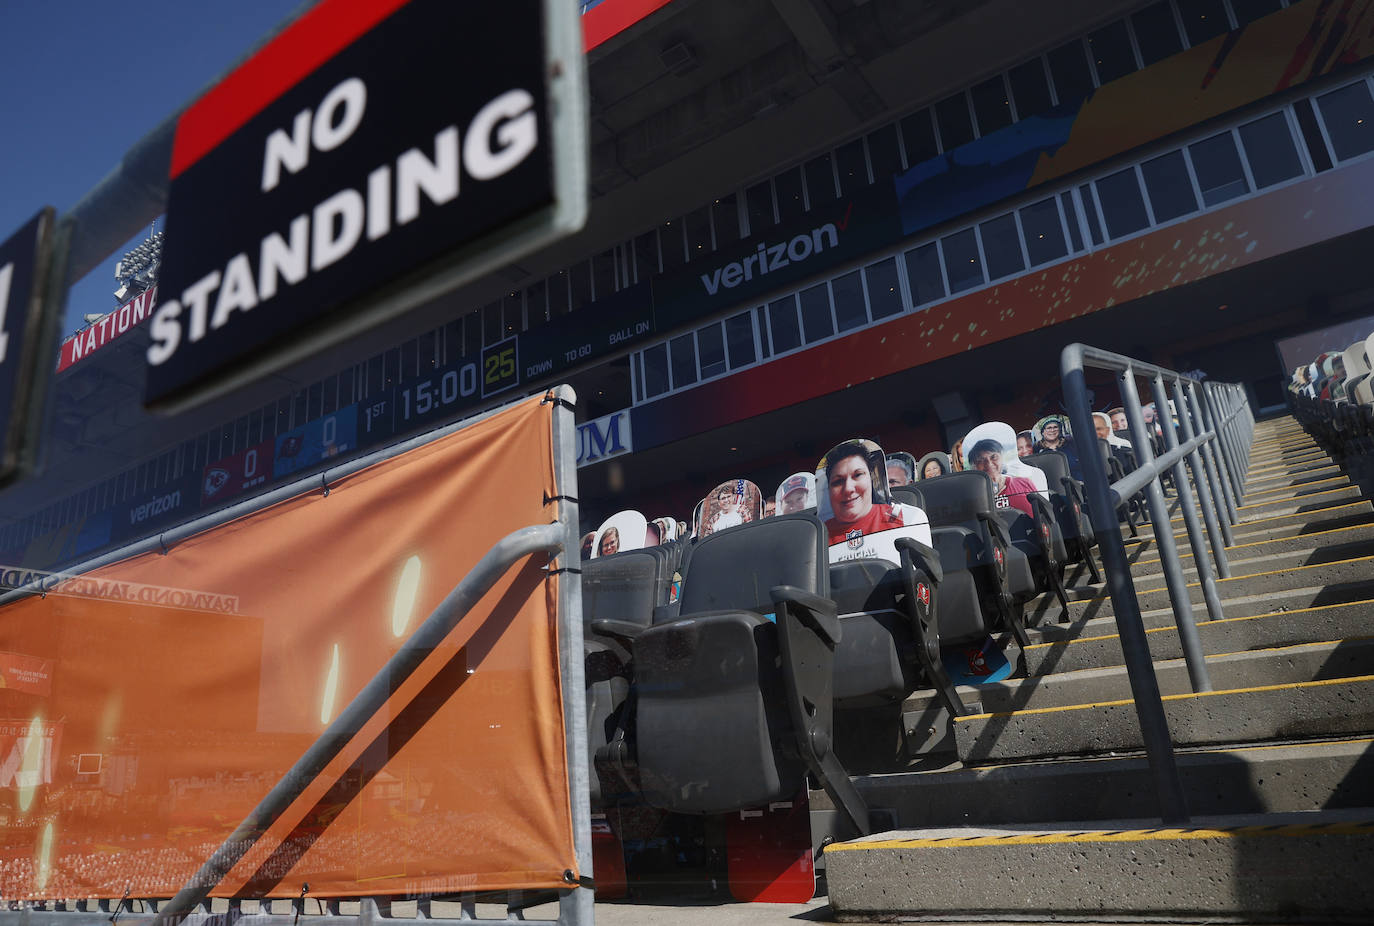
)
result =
(215, 480)
(855, 539)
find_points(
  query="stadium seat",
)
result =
(1069, 507)
(746, 666)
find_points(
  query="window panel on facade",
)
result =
(1030, 88)
(725, 215)
(758, 201)
(739, 340)
(1044, 233)
(963, 265)
(923, 274)
(884, 293)
(654, 370)
(711, 350)
(1312, 135)
(853, 169)
(1070, 220)
(671, 245)
(1202, 19)
(1156, 33)
(820, 180)
(697, 225)
(1123, 207)
(1002, 246)
(788, 186)
(1069, 68)
(1220, 174)
(918, 137)
(1270, 150)
(783, 326)
(1349, 117)
(682, 354)
(580, 280)
(815, 311)
(991, 105)
(1111, 51)
(1169, 186)
(646, 255)
(603, 274)
(956, 127)
(884, 157)
(848, 291)
(1247, 11)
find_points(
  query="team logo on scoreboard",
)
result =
(215, 479)
(291, 446)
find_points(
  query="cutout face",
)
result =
(856, 505)
(730, 504)
(1025, 444)
(935, 463)
(989, 449)
(624, 530)
(796, 493)
(1052, 432)
(901, 468)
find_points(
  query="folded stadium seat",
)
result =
(983, 572)
(732, 703)
(1119, 462)
(619, 595)
(1069, 507)
(889, 633)
(1040, 540)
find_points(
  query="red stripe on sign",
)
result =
(309, 42)
(611, 17)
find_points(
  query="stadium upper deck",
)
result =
(811, 218)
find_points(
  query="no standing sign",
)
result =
(374, 155)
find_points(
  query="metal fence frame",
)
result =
(559, 539)
(1208, 414)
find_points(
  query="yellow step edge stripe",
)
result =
(1260, 543)
(1222, 620)
(1342, 828)
(1295, 498)
(1257, 575)
(1291, 686)
(1314, 482)
(1268, 466)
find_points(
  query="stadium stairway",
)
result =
(1041, 803)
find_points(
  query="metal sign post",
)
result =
(369, 158)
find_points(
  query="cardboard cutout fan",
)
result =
(1025, 443)
(796, 493)
(856, 506)
(667, 529)
(1103, 423)
(624, 530)
(901, 468)
(588, 544)
(935, 463)
(1053, 433)
(990, 448)
(696, 517)
(730, 504)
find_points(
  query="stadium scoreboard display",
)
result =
(369, 158)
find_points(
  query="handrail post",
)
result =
(1202, 483)
(1179, 599)
(1185, 500)
(1116, 568)
(1214, 478)
(1229, 478)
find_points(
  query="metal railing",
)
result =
(1212, 436)
(559, 539)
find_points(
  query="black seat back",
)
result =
(734, 569)
(909, 495)
(625, 586)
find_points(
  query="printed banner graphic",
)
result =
(149, 705)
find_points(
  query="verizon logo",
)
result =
(773, 257)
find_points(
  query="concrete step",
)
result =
(1096, 643)
(1291, 489)
(1323, 709)
(1248, 779)
(1301, 479)
(1281, 665)
(1267, 866)
(1250, 561)
(1260, 526)
(1144, 561)
(1239, 591)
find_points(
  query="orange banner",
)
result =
(176, 721)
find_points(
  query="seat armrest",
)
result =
(622, 631)
(811, 609)
(928, 559)
(996, 525)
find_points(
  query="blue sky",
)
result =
(82, 80)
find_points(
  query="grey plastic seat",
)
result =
(1070, 511)
(732, 703)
